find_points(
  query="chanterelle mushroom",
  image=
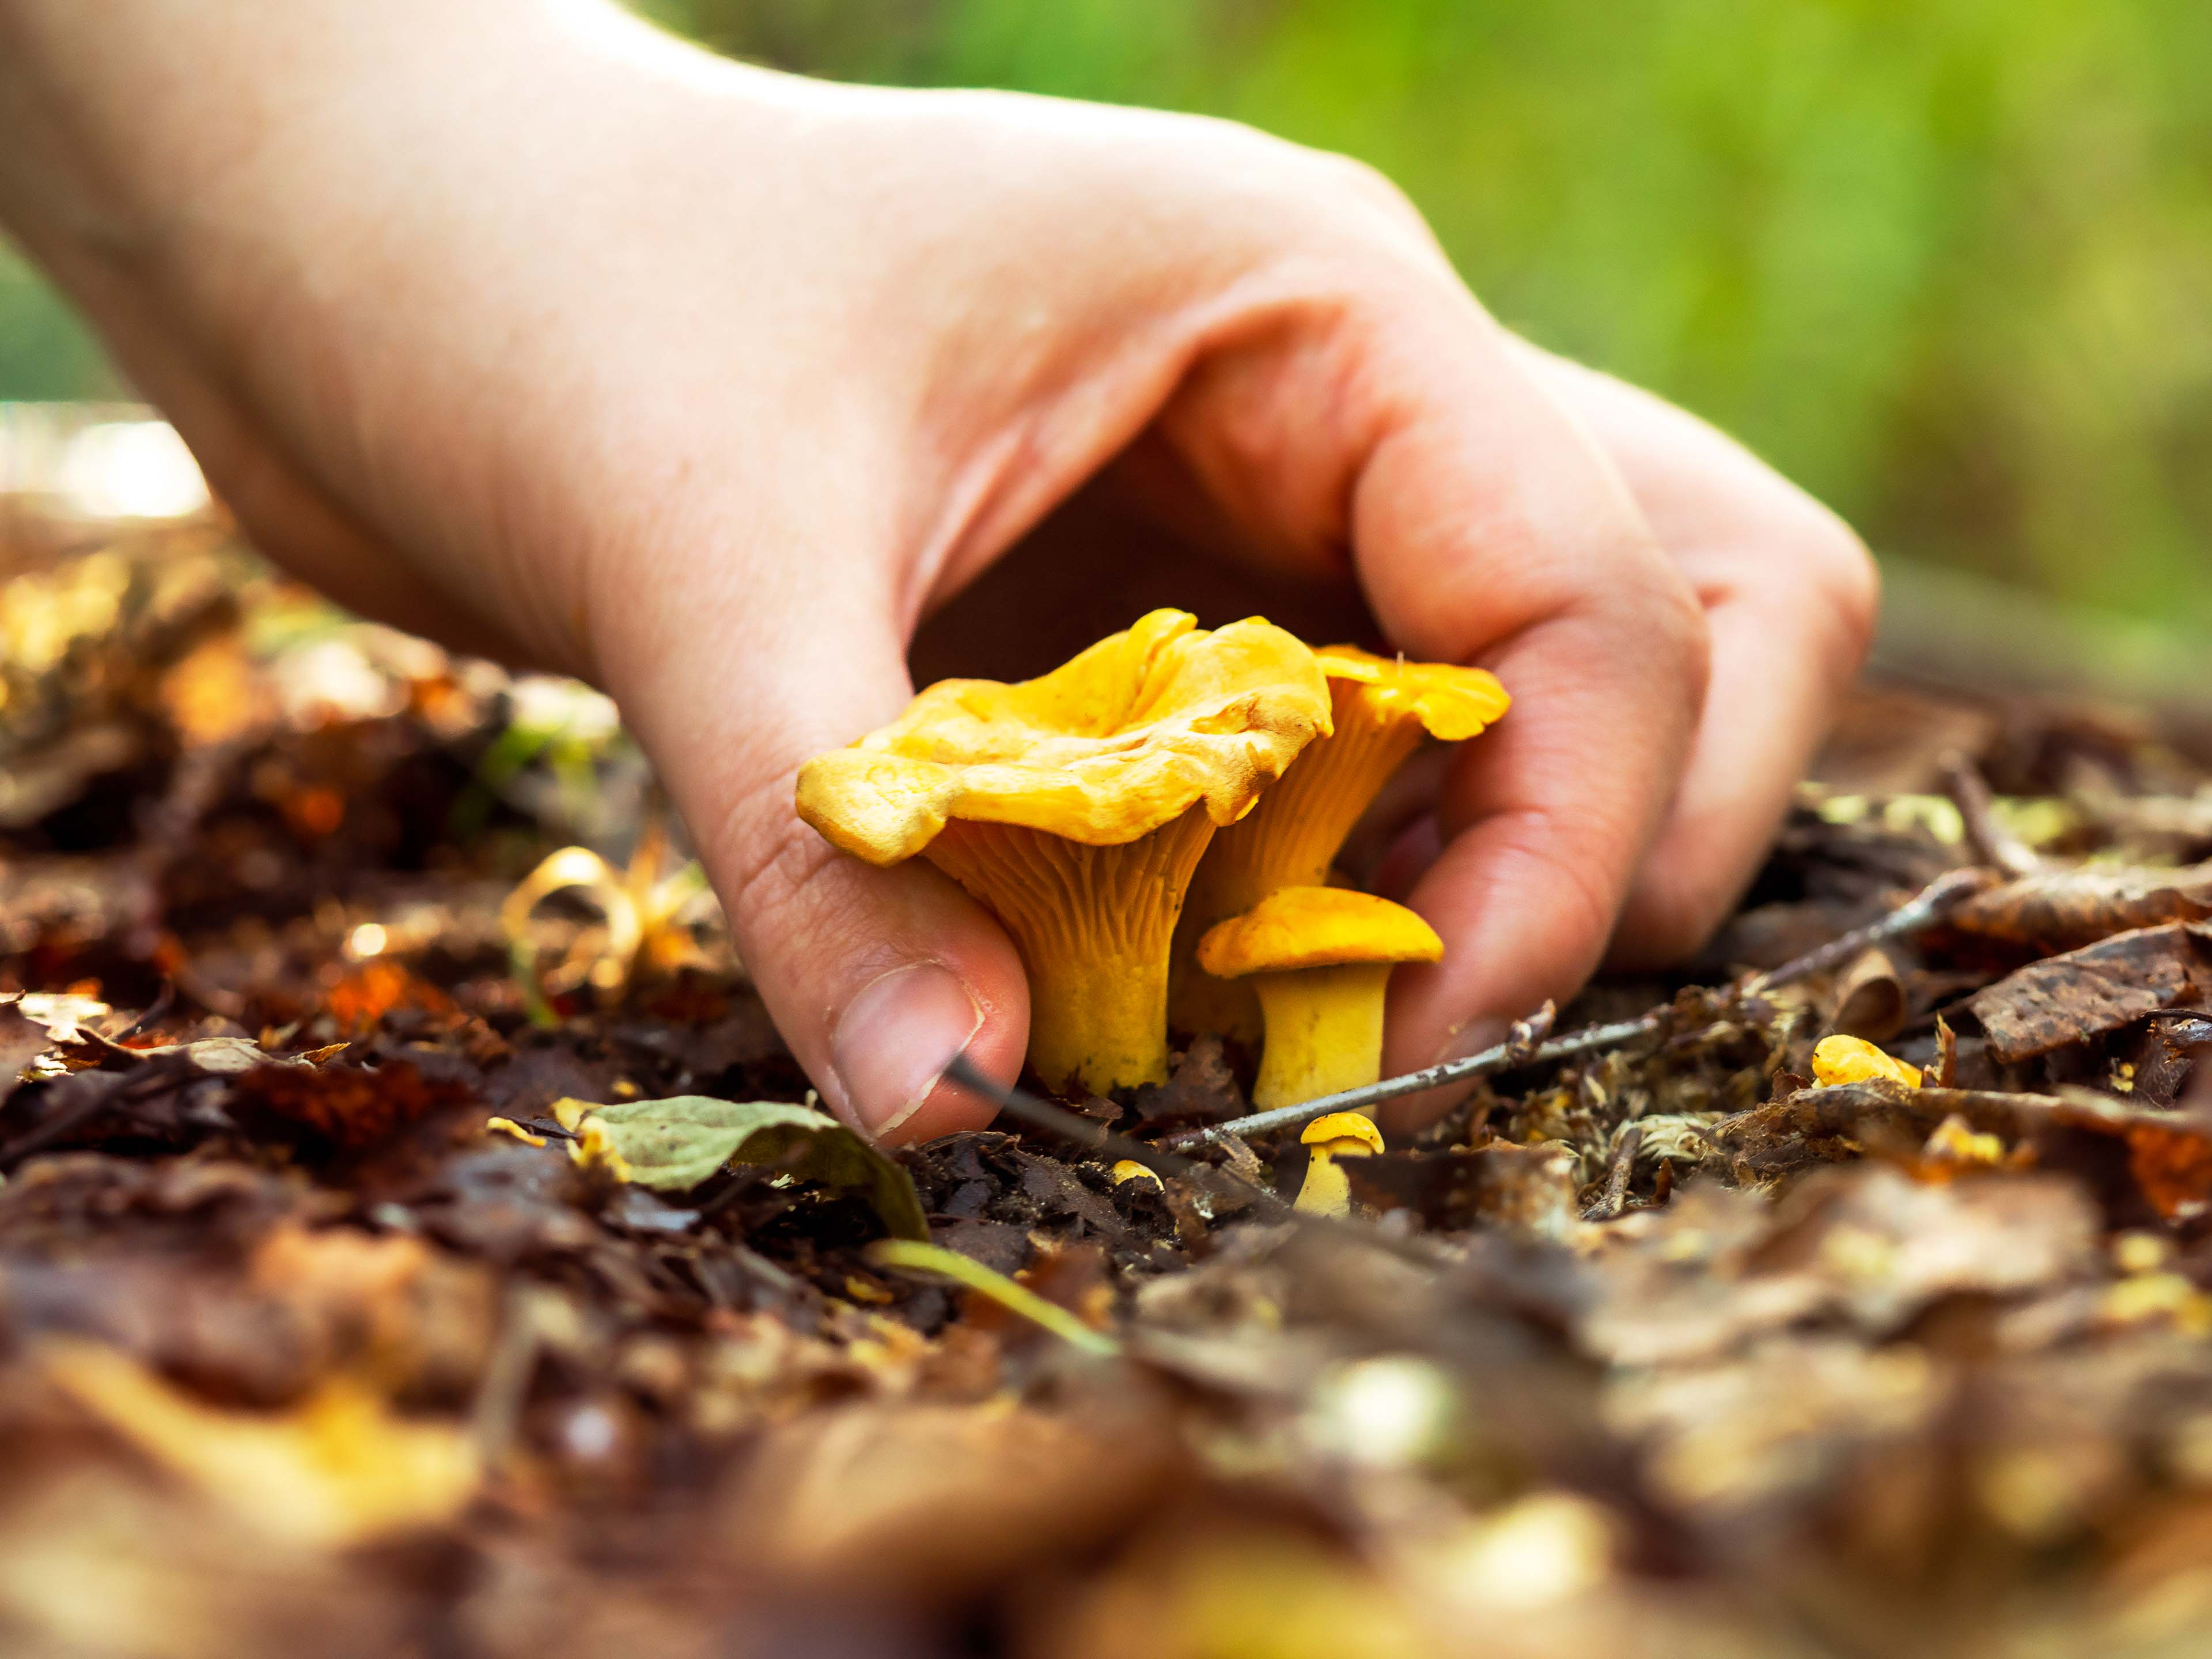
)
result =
(1075, 806)
(1321, 959)
(1327, 1189)
(1381, 707)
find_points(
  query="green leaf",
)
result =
(674, 1145)
(1014, 1297)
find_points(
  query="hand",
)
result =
(529, 328)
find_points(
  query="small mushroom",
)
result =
(1839, 1060)
(1074, 807)
(1381, 708)
(1320, 959)
(1327, 1189)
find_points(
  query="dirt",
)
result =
(1659, 1350)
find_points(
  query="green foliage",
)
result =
(676, 1144)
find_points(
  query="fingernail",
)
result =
(896, 1038)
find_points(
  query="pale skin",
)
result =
(520, 324)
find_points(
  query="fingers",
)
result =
(1789, 595)
(876, 978)
(1488, 528)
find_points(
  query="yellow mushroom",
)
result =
(1839, 1059)
(1074, 806)
(1327, 1189)
(1381, 709)
(1320, 959)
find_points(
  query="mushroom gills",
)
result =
(1290, 839)
(1324, 1032)
(1094, 926)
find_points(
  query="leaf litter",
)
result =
(1673, 1341)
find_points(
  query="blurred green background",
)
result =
(1945, 262)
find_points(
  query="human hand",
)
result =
(531, 329)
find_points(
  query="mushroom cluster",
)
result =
(1153, 823)
(1074, 807)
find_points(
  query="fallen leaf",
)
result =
(22, 1039)
(337, 1470)
(351, 1106)
(1870, 1000)
(934, 1498)
(2062, 909)
(2097, 988)
(63, 1013)
(379, 987)
(674, 1145)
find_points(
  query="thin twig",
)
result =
(1526, 1035)
(1986, 832)
(1497, 1058)
(160, 1007)
(1931, 904)
(1019, 1103)
(1614, 1199)
(1084, 1132)
(1928, 905)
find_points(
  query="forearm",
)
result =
(330, 231)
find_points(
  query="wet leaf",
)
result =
(675, 1145)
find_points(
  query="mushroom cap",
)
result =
(1344, 1126)
(1454, 703)
(1124, 738)
(1315, 928)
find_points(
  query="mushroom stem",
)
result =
(1324, 1032)
(1094, 926)
(1327, 1189)
(1289, 840)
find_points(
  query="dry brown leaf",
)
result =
(351, 1107)
(931, 1499)
(2063, 909)
(2097, 988)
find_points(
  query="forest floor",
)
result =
(1658, 1350)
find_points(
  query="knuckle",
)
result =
(1674, 625)
(1848, 579)
(775, 869)
(1368, 184)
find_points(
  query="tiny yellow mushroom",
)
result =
(1853, 1059)
(1321, 959)
(1128, 1170)
(1328, 1190)
(1955, 1141)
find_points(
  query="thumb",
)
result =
(877, 979)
